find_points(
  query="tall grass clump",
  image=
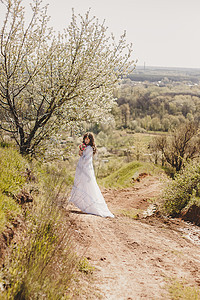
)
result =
(43, 264)
(12, 179)
(12, 166)
(54, 177)
(183, 190)
(9, 210)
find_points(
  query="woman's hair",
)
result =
(91, 143)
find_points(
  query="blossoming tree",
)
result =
(49, 81)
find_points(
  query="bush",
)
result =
(183, 189)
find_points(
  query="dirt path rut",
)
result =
(135, 259)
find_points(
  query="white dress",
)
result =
(86, 194)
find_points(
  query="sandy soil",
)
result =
(136, 258)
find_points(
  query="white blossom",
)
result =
(47, 82)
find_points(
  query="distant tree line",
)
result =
(159, 77)
(154, 108)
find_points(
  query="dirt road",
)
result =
(136, 258)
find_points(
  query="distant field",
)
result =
(153, 74)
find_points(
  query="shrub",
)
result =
(183, 189)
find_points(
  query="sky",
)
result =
(164, 33)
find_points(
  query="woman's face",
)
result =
(87, 140)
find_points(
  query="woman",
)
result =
(86, 194)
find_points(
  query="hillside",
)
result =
(139, 254)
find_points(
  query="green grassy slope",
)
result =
(124, 177)
(12, 178)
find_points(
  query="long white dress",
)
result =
(85, 193)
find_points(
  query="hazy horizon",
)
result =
(166, 67)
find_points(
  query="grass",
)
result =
(145, 138)
(125, 176)
(126, 157)
(12, 179)
(9, 210)
(84, 266)
(177, 253)
(43, 263)
(180, 291)
(105, 166)
(130, 213)
(12, 166)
